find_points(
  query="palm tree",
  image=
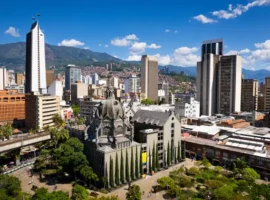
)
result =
(88, 173)
(58, 134)
(42, 161)
(6, 131)
(58, 121)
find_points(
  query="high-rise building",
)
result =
(35, 70)
(114, 82)
(229, 82)
(249, 95)
(3, 78)
(212, 46)
(78, 91)
(207, 84)
(87, 79)
(267, 94)
(149, 77)
(56, 89)
(132, 84)
(19, 79)
(40, 109)
(49, 77)
(72, 75)
(12, 107)
(95, 79)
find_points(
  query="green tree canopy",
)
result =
(134, 193)
(147, 102)
(225, 192)
(10, 185)
(79, 193)
(250, 175)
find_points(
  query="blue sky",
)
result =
(173, 30)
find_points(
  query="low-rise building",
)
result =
(188, 108)
(78, 91)
(40, 110)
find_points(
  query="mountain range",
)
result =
(12, 56)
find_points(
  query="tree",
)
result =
(184, 150)
(10, 185)
(6, 131)
(43, 194)
(179, 152)
(117, 181)
(111, 173)
(88, 173)
(81, 120)
(58, 134)
(127, 167)
(165, 182)
(134, 193)
(250, 175)
(122, 176)
(225, 192)
(141, 165)
(153, 158)
(132, 165)
(76, 109)
(58, 121)
(168, 155)
(172, 153)
(147, 102)
(41, 161)
(79, 193)
(136, 165)
(157, 159)
(238, 166)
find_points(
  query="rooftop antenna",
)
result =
(38, 15)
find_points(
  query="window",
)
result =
(172, 133)
(172, 125)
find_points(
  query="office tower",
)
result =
(12, 107)
(114, 82)
(56, 89)
(95, 79)
(49, 77)
(267, 94)
(207, 84)
(19, 79)
(149, 77)
(132, 84)
(40, 109)
(11, 77)
(78, 91)
(212, 46)
(249, 95)
(3, 78)
(73, 74)
(35, 70)
(229, 82)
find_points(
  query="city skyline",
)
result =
(173, 31)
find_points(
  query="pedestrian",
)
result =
(142, 192)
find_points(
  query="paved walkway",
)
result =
(147, 183)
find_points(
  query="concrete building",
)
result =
(101, 82)
(12, 107)
(87, 79)
(49, 77)
(95, 79)
(156, 128)
(249, 95)
(15, 87)
(78, 91)
(165, 88)
(72, 75)
(114, 82)
(188, 108)
(260, 102)
(149, 77)
(35, 69)
(40, 109)
(267, 94)
(207, 84)
(56, 89)
(132, 84)
(212, 47)
(229, 84)
(19, 79)
(3, 78)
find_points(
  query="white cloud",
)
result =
(163, 60)
(106, 45)
(176, 31)
(13, 32)
(100, 45)
(138, 47)
(153, 46)
(71, 43)
(264, 45)
(239, 9)
(204, 19)
(86, 47)
(186, 50)
(125, 41)
(134, 57)
(185, 59)
(167, 31)
(234, 52)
